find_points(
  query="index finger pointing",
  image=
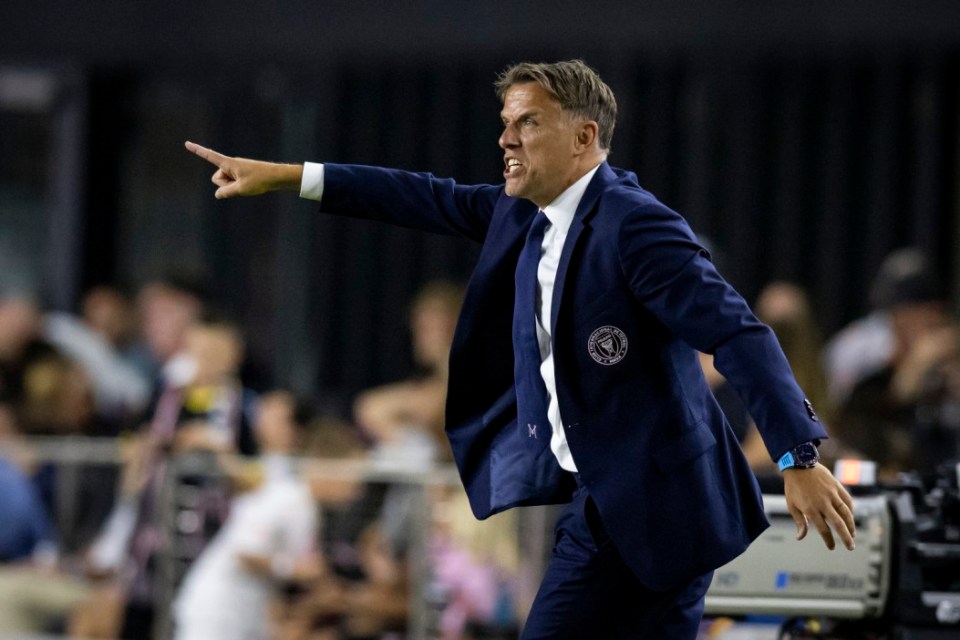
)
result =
(207, 154)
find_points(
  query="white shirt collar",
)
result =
(560, 212)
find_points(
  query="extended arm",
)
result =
(415, 200)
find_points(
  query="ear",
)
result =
(587, 136)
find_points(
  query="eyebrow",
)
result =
(525, 114)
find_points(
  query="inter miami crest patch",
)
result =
(607, 345)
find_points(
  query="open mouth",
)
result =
(513, 165)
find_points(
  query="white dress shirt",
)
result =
(560, 213)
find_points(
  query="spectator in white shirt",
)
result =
(269, 537)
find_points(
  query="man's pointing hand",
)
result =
(245, 177)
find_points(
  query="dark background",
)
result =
(807, 139)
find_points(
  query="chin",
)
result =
(514, 190)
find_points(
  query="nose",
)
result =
(508, 139)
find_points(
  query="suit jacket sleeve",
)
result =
(673, 277)
(415, 200)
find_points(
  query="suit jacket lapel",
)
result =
(585, 210)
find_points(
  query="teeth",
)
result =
(513, 162)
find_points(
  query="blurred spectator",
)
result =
(95, 341)
(110, 314)
(880, 418)
(858, 350)
(786, 308)
(408, 417)
(166, 307)
(475, 569)
(406, 422)
(203, 409)
(866, 345)
(365, 592)
(929, 380)
(13, 448)
(57, 398)
(25, 528)
(343, 496)
(58, 401)
(34, 596)
(334, 439)
(213, 407)
(347, 510)
(380, 603)
(20, 342)
(268, 537)
(374, 607)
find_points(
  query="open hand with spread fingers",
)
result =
(245, 177)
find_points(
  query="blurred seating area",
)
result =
(148, 491)
(180, 503)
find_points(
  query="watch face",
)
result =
(806, 454)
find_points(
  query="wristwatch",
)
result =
(802, 456)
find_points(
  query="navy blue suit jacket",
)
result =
(650, 443)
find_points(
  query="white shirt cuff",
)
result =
(311, 185)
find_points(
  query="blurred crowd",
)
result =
(221, 503)
(218, 515)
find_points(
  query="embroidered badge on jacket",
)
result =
(607, 345)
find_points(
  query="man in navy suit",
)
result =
(573, 374)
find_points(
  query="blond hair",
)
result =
(573, 84)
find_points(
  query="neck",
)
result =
(583, 167)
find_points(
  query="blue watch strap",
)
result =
(786, 461)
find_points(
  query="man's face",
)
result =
(539, 143)
(166, 314)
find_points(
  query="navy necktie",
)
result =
(531, 391)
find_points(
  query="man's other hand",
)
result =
(245, 177)
(814, 495)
